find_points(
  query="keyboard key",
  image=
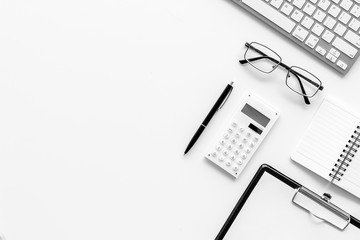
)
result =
(300, 33)
(334, 52)
(346, 4)
(340, 29)
(297, 15)
(329, 22)
(320, 50)
(270, 13)
(317, 29)
(328, 36)
(276, 3)
(309, 8)
(287, 8)
(355, 11)
(354, 24)
(341, 64)
(299, 3)
(345, 47)
(319, 15)
(312, 41)
(353, 38)
(334, 10)
(331, 57)
(344, 17)
(307, 22)
(324, 4)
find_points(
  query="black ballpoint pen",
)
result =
(218, 104)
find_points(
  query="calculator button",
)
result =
(226, 152)
(213, 154)
(243, 156)
(229, 147)
(221, 158)
(222, 142)
(241, 130)
(230, 130)
(256, 139)
(233, 141)
(244, 139)
(240, 145)
(232, 158)
(218, 148)
(239, 162)
(228, 163)
(237, 135)
(248, 150)
(234, 124)
(237, 151)
(248, 134)
(252, 144)
(236, 168)
(226, 136)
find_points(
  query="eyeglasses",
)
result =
(266, 60)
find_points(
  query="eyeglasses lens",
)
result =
(299, 80)
(262, 58)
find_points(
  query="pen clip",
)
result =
(223, 103)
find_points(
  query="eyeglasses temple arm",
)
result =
(306, 99)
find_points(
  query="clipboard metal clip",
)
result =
(321, 207)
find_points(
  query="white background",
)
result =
(98, 100)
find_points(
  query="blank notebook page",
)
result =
(324, 141)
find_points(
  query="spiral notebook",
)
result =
(329, 147)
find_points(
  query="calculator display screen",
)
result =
(255, 115)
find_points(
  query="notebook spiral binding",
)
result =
(343, 162)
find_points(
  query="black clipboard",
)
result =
(320, 207)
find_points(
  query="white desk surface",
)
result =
(99, 99)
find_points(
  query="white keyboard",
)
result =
(329, 29)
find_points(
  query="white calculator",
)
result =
(243, 134)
